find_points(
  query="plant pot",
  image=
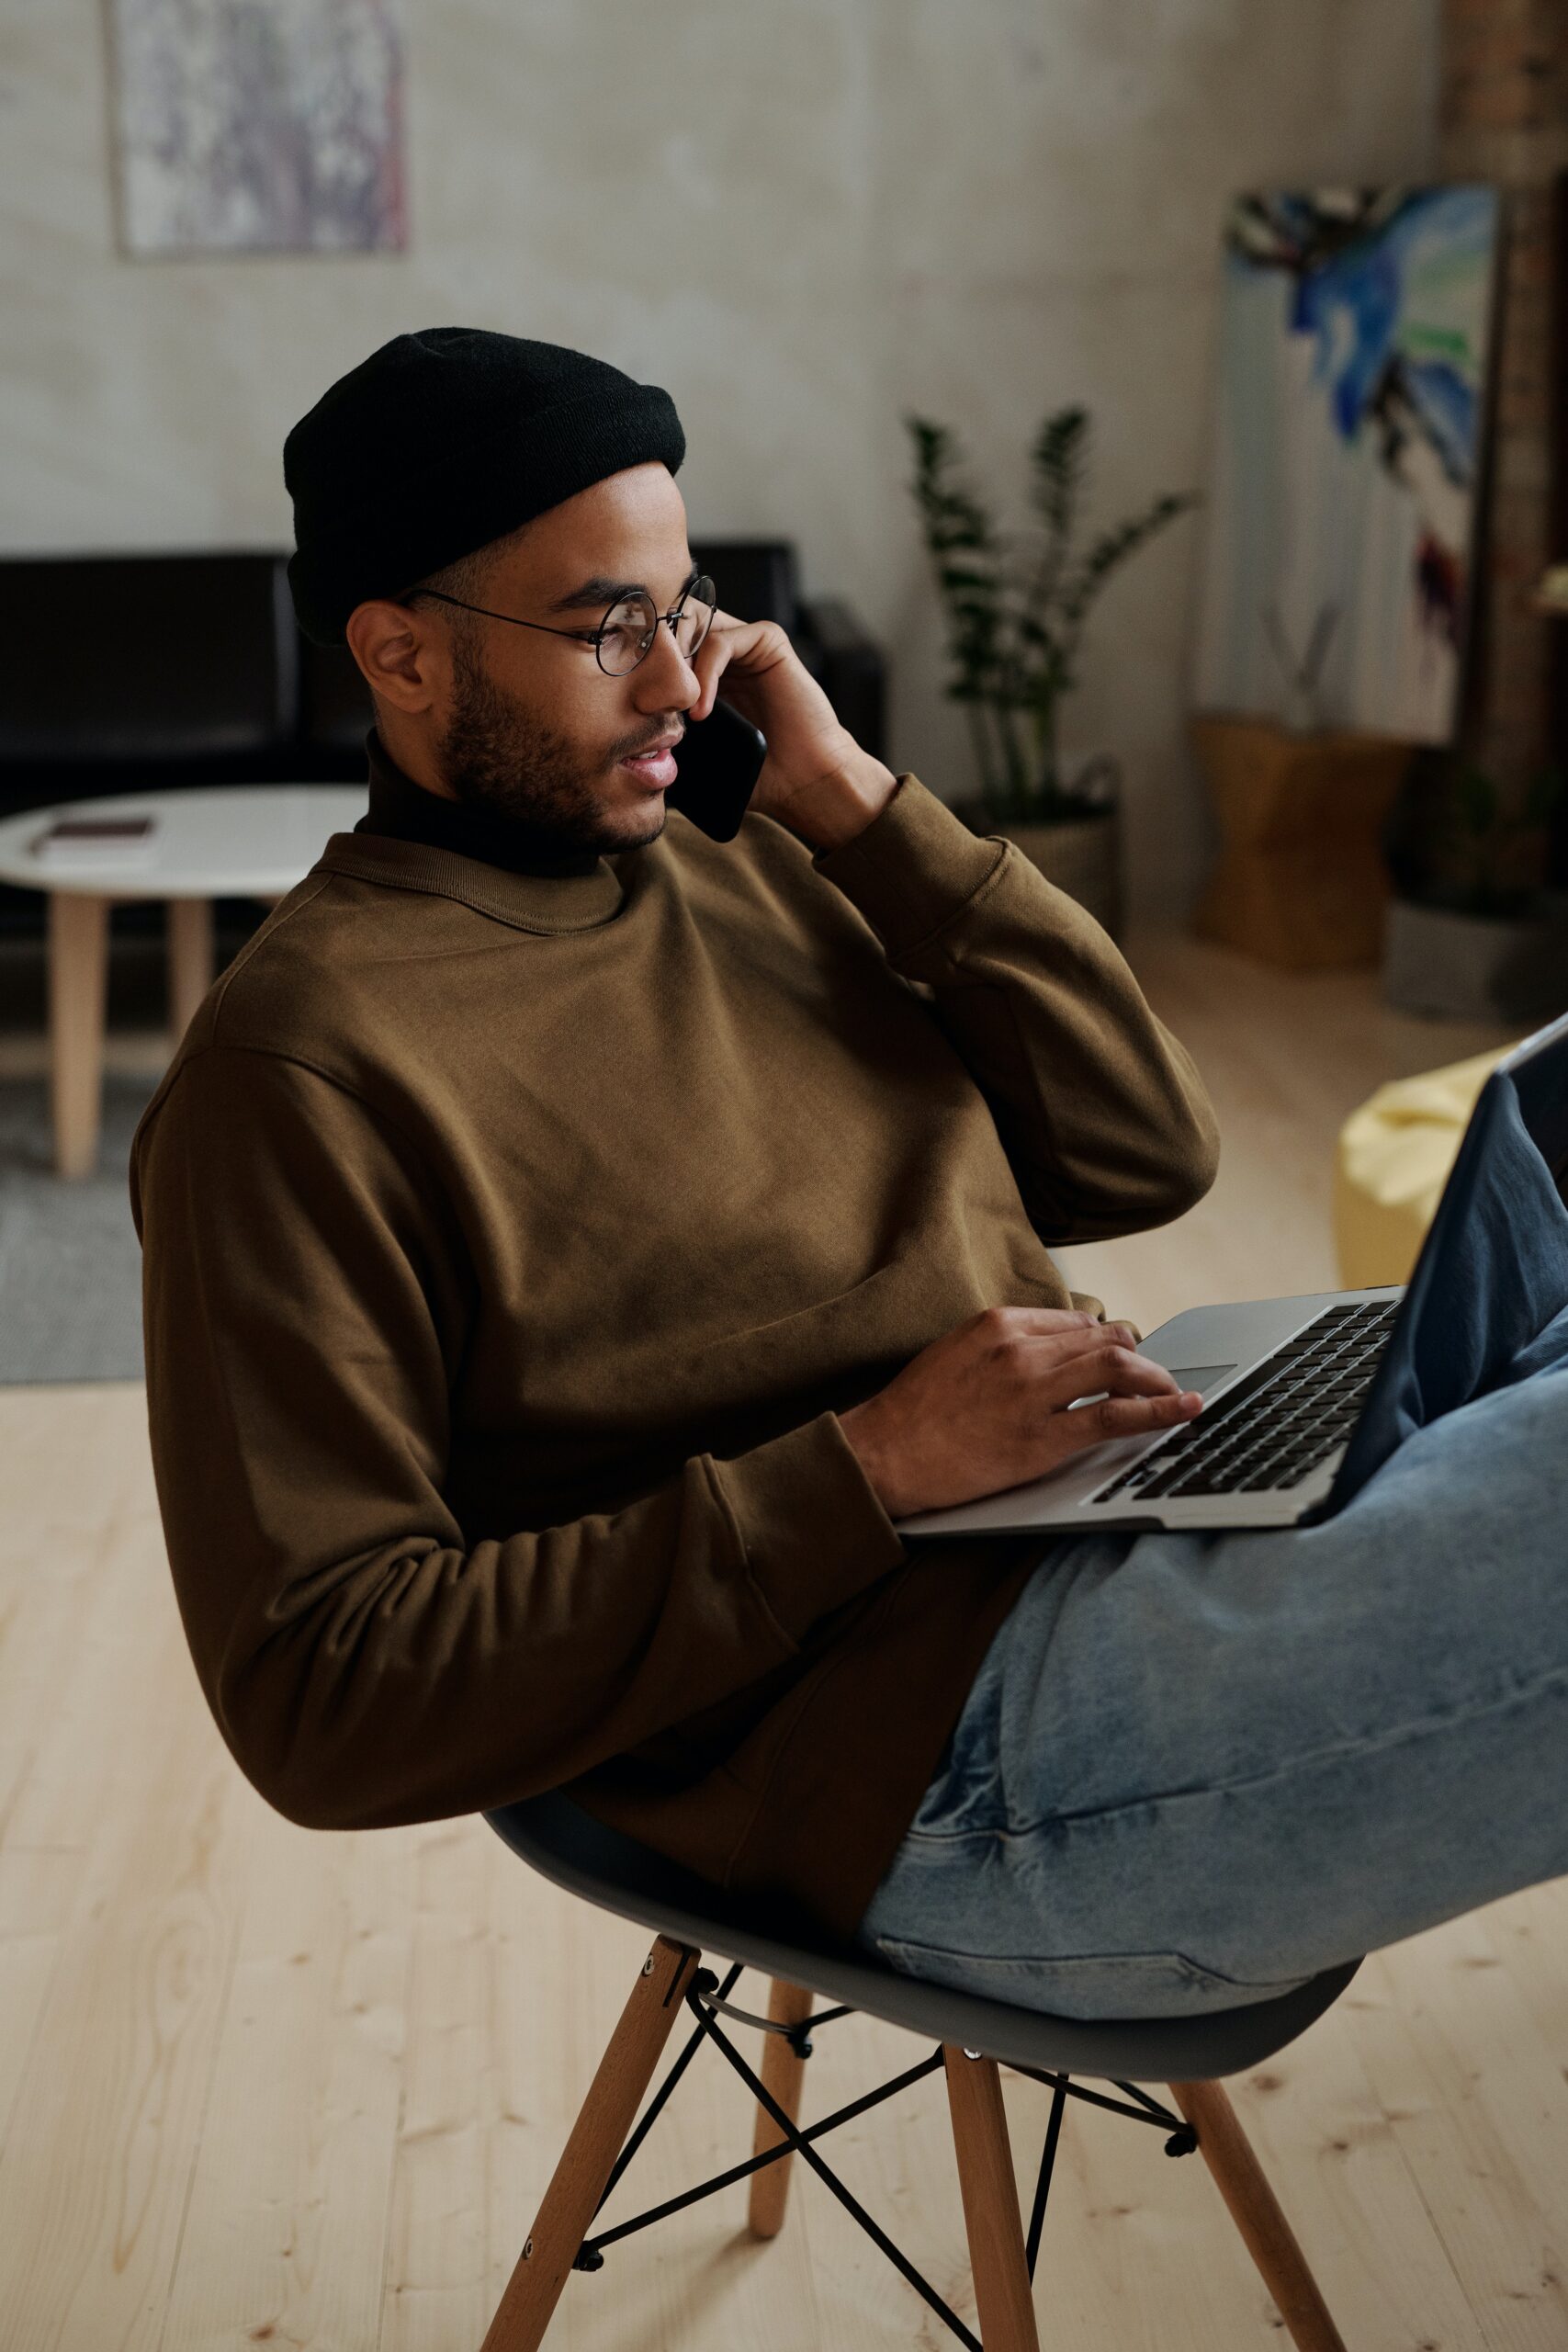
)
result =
(1301, 879)
(1082, 855)
(1478, 967)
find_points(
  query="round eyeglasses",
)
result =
(625, 636)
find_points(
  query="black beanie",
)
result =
(442, 441)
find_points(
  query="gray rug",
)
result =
(70, 1261)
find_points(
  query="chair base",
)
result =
(1003, 2258)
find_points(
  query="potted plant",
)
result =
(1473, 931)
(1016, 605)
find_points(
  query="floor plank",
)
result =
(113, 2101)
(288, 2210)
(1476, 2102)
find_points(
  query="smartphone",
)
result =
(718, 762)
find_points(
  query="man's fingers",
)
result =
(712, 659)
(1126, 1370)
(1065, 1329)
(1133, 1415)
(1026, 1322)
(1109, 1365)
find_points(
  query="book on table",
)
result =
(85, 841)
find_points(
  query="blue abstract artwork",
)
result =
(261, 126)
(1355, 337)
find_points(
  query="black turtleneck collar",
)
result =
(408, 813)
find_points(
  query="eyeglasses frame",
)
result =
(595, 637)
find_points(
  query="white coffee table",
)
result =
(242, 840)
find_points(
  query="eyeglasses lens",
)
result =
(629, 627)
(696, 616)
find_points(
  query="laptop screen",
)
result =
(1493, 1268)
(1539, 1066)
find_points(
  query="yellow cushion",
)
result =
(1394, 1159)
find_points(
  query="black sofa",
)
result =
(139, 672)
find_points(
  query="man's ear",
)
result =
(401, 655)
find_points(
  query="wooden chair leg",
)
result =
(991, 2215)
(597, 2137)
(782, 2074)
(1269, 2238)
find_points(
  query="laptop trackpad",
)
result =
(1201, 1376)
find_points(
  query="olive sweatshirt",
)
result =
(512, 1242)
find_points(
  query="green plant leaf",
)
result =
(1033, 630)
(1057, 459)
(1112, 548)
(954, 523)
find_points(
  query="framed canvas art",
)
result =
(1355, 339)
(258, 129)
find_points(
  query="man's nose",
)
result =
(665, 679)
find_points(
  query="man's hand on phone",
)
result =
(816, 779)
(985, 1407)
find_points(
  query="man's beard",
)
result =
(498, 755)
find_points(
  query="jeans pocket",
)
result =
(1126, 1984)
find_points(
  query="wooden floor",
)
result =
(265, 2087)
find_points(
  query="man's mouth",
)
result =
(655, 769)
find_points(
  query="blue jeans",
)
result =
(1194, 1770)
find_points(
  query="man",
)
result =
(569, 1242)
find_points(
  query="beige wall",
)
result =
(802, 217)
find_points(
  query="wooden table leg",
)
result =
(189, 959)
(78, 986)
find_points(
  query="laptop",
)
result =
(1286, 1382)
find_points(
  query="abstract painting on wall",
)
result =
(273, 128)
(1354, 345)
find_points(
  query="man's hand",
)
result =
(816, 779)
(985, 1407)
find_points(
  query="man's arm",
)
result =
(306, 1305)
(1104, 1118)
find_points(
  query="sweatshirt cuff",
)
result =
(912, 868)
(812, 1532)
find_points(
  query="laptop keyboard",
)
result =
(1272, 1427)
